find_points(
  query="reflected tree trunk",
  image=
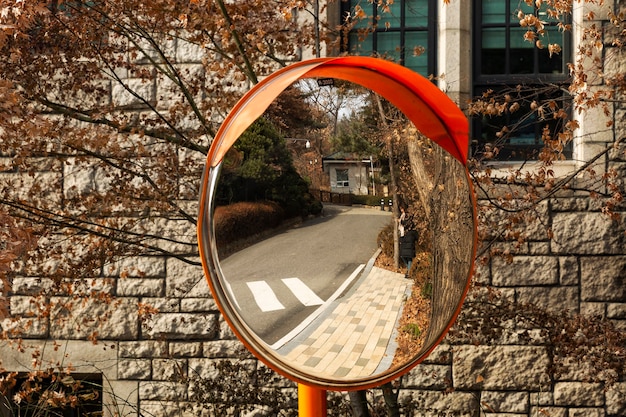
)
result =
(444, 192)
(395, 209)
(390, 136)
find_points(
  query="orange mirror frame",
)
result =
(428, 108)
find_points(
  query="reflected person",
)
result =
(407, 246)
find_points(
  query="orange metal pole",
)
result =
(311, 401)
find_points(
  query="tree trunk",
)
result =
(358, 402)
(391, 400)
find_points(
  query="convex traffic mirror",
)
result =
(316, 302)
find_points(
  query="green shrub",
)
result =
(413, 330)
(427, 290)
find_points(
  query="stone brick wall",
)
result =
(145, 362)
(581, 269)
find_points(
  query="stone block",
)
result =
(541, 398)
(26, 327)
(425, 376)
(569, 204)
(586, 412)
(620, 124)
(158, 408)
(441, 355)
(549, 411)
(508, 248)
(31, 285)
(169, 369)
(438, 403)
(593, 309)
(525, 270)
(140, 287)
(209, 368)
(180, 232)
(482, 274)
(197, 305)
(587, 234)
(21, 305)
(571, 369)
(226, 333)
(489, 414)
(188, 52)
(183, 326)
(603, 278)
(538, 248)
(185, 349)
(550, 298)
(162, 304)
(81, 177)
(568, 270)
(162, 391)
(134, 369)
(500, 368)
(615, 62)
(112, 320)
(82, 356)
(168, 92)
(186, 280)
(519, 336)
(225, 349)
(139, 266)
(616, 399)
(505, 402)
(144, 91)
(40, 187)
(616, 311)
(143, 349)
(578, 394)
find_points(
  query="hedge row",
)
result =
(239, 221)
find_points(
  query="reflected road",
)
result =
(277, 283)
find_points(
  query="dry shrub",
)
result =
(239, 221)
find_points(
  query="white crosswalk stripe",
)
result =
(267, 300)
(302, 292)
(264, 296)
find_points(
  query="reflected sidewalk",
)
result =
(355, 336)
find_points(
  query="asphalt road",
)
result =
(280, 281)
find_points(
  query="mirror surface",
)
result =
(323, 293)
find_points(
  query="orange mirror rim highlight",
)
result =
(430, 110)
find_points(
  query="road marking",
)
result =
(298, 329)
(264, 296)
(302, 292)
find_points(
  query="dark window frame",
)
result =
(430, 29)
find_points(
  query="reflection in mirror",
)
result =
(316, 207)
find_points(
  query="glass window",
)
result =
(404, 31)
(342, 178)
(516, 134)
(507, 64)
(502, 40)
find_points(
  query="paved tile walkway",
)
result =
(355, 335)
